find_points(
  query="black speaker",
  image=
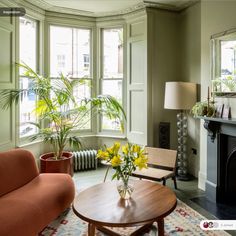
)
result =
(164, 135)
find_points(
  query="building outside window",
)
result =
(70, 56)
(28, 55)
(86, 61)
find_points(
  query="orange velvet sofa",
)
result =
(29, 201)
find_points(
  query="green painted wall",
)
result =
(163, 65)
(190, 70)
(7, 77)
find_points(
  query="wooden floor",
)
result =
(186, 191)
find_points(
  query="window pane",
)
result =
(60, 51)
(28, 34)
(84, 91)
(69, 52)
(112, 53)
(28, 55)
(70, 55)
(113, 88)
(81, 53)
(27, 105)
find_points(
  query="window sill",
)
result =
(111, 136)
(26, 144)
(122, 137)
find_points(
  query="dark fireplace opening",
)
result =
(226, 190)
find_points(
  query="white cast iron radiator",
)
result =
(84, 160)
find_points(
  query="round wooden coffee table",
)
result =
(101, 206)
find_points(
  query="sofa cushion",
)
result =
(27, 210)
(17, 167)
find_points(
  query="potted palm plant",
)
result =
(59, 113)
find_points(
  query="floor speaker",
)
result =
(164, 135)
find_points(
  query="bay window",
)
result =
(70, 54)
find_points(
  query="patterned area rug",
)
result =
(182, 221)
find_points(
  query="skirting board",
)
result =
(202, 181)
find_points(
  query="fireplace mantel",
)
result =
(219, 120)
(212, 124)
(219, 131)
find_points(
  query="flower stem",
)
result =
(105, 177)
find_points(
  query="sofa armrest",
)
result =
(17, 168)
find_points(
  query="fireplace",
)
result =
(227, 168)
(221, 160)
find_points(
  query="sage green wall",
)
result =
(163, 65)
(190, 70)
(7, 77)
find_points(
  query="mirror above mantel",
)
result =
(223, 63)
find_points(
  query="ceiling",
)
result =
(108, 7)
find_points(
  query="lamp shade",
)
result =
(180, 95)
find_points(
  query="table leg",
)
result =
(91, 229)
(161, 230)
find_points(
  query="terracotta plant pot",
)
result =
(49, 165)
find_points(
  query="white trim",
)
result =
(31, 9)
(202, 180)
(26, 144)
(39, 66)
(100, 27)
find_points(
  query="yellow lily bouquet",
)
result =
(124, 163)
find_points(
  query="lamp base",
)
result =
(187, 177)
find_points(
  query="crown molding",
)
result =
(30, 6)
(170, 7)
(51, 8)
(146, 3)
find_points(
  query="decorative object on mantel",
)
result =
(226, 112)
(206, 108)
(124, 164)
(203, 109)
(219, 110)
(181, 96)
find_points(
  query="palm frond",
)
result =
(59, 107)
(75, 142)
(9, 97)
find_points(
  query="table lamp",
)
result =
(181, 96)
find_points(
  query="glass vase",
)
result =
(125, 190)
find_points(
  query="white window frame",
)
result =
(90, 78)
(25, 140)
(110, 132)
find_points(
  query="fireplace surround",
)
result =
(221, 160)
